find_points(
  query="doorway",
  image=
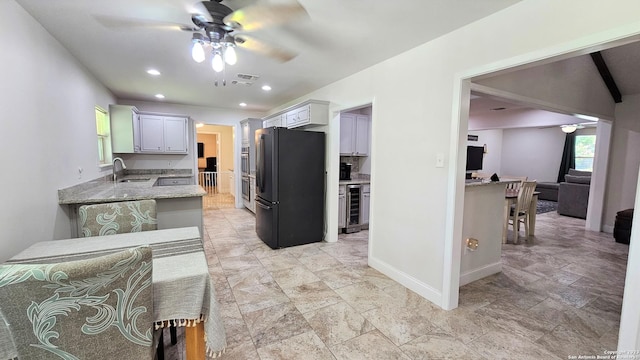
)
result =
(628, 331)
(354, 176)
(215, 165)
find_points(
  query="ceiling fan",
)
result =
(221, 28)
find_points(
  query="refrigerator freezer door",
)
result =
(267, 222)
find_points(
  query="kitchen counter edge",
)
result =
(354, 182)
(103, 191)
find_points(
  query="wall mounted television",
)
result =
(475, 155)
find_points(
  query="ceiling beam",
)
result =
(606, 76)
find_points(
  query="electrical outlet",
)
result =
(472, 244)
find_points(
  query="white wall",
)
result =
(492, 161)
(48, 130)
(624, 159)
(534, 153)
(412, 123)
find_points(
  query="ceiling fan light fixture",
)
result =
(568, 129)
(217, 63)
(230, 55)
(197, 52)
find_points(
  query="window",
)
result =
(585, 149)
(103, 130)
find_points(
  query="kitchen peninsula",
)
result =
(178, 202)
(484, 217)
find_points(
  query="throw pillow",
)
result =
(578, 179)
(579, 172)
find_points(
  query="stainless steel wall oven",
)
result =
(246, 188)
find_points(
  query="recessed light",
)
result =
(160, 96)
(153, 72)
(243, 104)
(266, 87)
(199, 125)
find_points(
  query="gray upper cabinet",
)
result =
(136, 132)
(273, 121)
(151, 133)
(308, 113)
(175, 135)
(354, 135)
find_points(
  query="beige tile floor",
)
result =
(558, 295)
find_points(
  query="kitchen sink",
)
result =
(134, 180)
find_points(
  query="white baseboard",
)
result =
(479, 273)
(607, 229)
(407, 281)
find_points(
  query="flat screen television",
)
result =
(475, 155)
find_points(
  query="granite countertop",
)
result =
(485, 183)
(104, 190)
(356, 179)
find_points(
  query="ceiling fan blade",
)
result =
(115, 22)
(258, 16)
(263, 48)
(201, 10)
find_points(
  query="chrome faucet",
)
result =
(114, 167)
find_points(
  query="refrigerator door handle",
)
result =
(260, 169)
(263, 206)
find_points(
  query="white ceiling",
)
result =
(339, 38)
(622, 62)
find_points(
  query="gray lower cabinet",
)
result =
(364, 203)
(342, 207)
(173, 181)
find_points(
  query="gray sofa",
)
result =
(573, 194)
(548, 191)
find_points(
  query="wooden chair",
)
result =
(514, 186)
(100, 308)
(520, 212)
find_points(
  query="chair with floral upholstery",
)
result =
(117, 218)
(99, 308)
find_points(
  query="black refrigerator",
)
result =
(290, 183)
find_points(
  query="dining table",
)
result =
(183, 291)
(511, 198)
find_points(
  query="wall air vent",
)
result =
(248, 77)
(239, 82)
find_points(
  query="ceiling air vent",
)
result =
(238, 82)
(248, 77)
